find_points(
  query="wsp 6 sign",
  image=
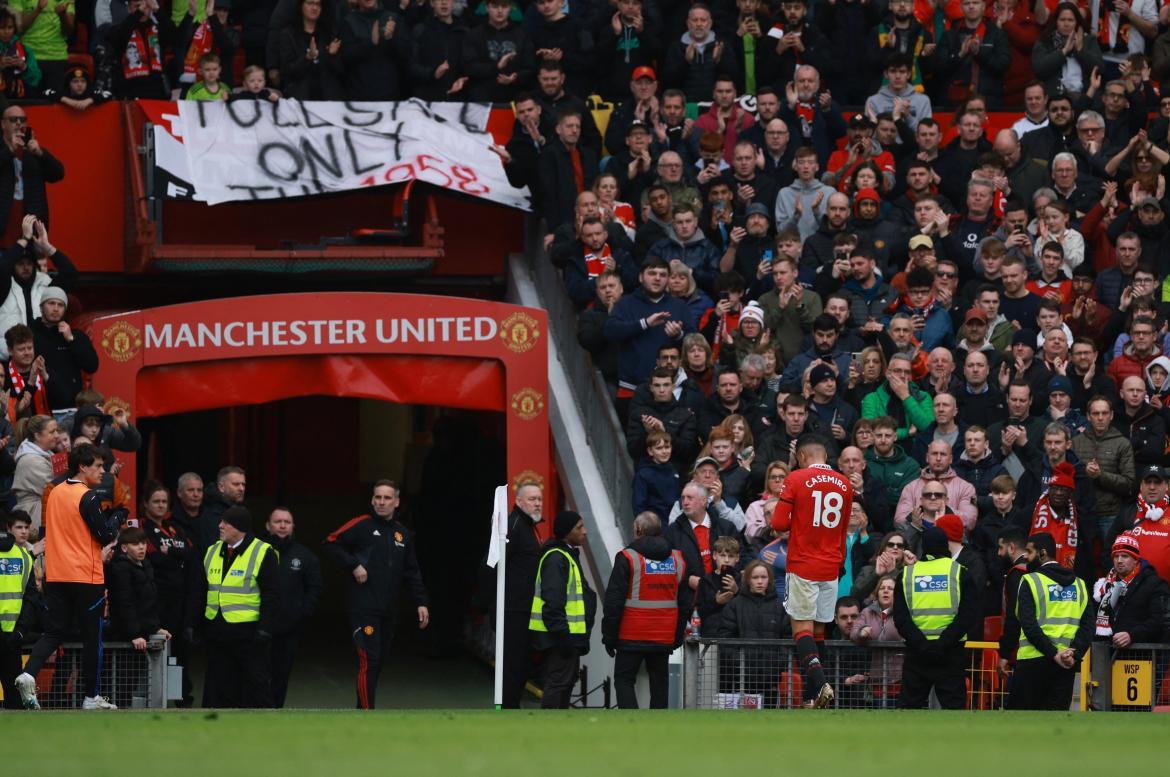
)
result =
(1133, 683)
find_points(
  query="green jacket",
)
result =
(790, 325)
(895, 472)
(919, 408)
(1116, 485)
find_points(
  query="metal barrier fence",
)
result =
(131, 679)
(765, 674)
(1131, 679)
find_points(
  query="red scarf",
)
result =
(17, 382)
(595, 262)
(142, 56)
(202, 42)
(1151, 512)
(1121, 45)
(1063, 530)
(14, 86)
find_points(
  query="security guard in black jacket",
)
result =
(300, 589)
(523, 557)
(379, 552)
(236, 602)
(563, 608)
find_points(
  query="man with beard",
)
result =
(672, 128)
(554, 100)
(593, 255)
(1053, 639)
(869, 296)
(1072, 530)
(825, 334)
(1024, 173)
(1033, 482)
(817, 254)
(919, 178)
(1010, 544)
(798, 42)
(747, 182)
(811, 113)
(566, 238)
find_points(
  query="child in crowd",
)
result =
(19, 74)
(134, 615)
(718, 587)
(79, 93)
(209, 89)
(656, 483)
(255, 86)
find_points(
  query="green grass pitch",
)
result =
(586, 742)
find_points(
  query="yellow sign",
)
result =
(1133, 683)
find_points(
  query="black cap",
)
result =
(238, 517)
(1025, 336)
(1153, 471)
(564, 523)
(860, 120)
(1084, 270)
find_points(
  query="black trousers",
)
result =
(372, 636)
(1040, 684)
(72, 608)
(238, 674)
(625, 673)
(284, 650)
(517, 658)
(945, 673)
(9, 669)
(560, 674)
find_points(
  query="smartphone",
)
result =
(855, 358)
(724, 296)
(27, 133)
(747, 452)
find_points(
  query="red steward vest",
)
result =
(651, 613)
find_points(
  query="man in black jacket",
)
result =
(374, 48)
(498, 56)
(530, 131)
(523, 557)
(299, 582)
(1133, 601)
(695, 531)
(20, 153)
(660, 411)
(645, 589)
(566, 168)
(564, 606)
(379, 552)
(591, 328)
(67, 352)
(238, 647)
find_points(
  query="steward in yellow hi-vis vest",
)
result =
(1056, 628)
(237, 604)
(935, 605)
(563, 608)
(17, 587)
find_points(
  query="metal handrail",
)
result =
(605, 436)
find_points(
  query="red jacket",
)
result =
(1127, 365)
(737, 122)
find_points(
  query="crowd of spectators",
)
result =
(975, 318)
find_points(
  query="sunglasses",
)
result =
(896, 545)
(934, 494)
(946, 275)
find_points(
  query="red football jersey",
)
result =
(814, 505)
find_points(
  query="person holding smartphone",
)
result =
(37, 167)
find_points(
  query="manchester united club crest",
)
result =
(519, 332)
(122, 341)
(116, 406)
(527, 403)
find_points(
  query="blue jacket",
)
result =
(698, 253)
(656, 488)
(791, 380)
(639, 345)
(938, 330)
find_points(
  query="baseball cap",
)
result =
(860, 121)
(637, 125)
(975, 313)
(1025, 336)
(921, 241)
(705, 460)
(1149, 202)
(1153, 471)
(644, 71)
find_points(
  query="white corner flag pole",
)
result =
(497, 557)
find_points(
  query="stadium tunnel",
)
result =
(314, 425)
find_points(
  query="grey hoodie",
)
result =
(810, 218)
(883, 102)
